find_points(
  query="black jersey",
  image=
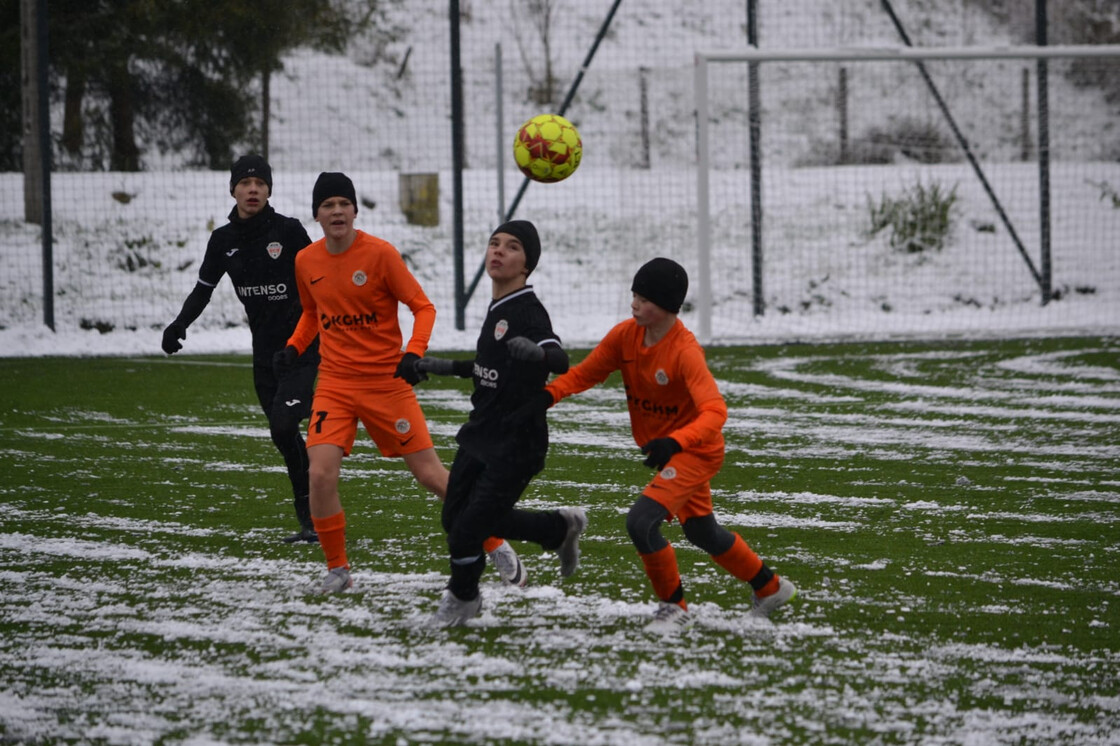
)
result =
(502, 384)
(259, 256)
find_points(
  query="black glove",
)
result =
(408, 370)
(538, 402)
(659, 451)
(523, 348)
(283, 360)
(171, 336)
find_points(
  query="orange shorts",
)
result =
(386, 407)
(684, 486)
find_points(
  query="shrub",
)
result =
(920, 220)
(914, 139)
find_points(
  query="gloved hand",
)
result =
(171, 336)
(283, 360)
(408, 370)
(659, 451)
(538, 402)
(523, 348)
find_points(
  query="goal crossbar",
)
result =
(853, 54)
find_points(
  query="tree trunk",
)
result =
(122, 115)
(72, 129)
(32, 126)
(266, 109)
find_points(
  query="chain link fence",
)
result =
(127, 244)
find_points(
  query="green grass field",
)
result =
(950, 512)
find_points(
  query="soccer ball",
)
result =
(547, 148)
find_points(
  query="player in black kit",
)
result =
(498, 454)
(257, 249)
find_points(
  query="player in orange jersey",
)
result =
(677, 416)
(350, 285)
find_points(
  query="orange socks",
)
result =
(332, 538)
(741, 561)
(491, 544)
(661, 568)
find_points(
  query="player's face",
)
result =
(251, 194)
(646, 312)
(336, 216)
(505, 258)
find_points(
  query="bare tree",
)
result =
(536, 50)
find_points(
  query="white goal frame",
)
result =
(869, 54)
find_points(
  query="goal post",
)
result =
(703, 61)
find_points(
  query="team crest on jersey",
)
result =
(275, 249)
(669, 472)
(661, 377)
(403, 426)
(500, 329)
(359, 278)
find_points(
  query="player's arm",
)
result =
(712, 409)
(209, 274)
(547, 351)
(442, 366)
(603, 360)
(406, 289)
(308, 326)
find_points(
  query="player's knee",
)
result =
(284, 423)
(322, 477)
(643, 523)
(705, 532)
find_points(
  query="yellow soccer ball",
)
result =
(547, 148)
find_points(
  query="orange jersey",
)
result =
(351, 299)
(669, 390)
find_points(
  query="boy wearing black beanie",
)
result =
(677, 416)
(497, 456)
(257, 249)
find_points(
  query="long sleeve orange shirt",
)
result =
(669, 390)
(351, 301)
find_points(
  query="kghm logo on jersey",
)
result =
(649, 406)
(346, 319)
(501, 328)
(661, 377)
(403, 426)
(275, 249)
(359, 278)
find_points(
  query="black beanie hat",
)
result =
(332, 184)
(526, 233)
(662, 281)
(250, 165)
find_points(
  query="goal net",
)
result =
(944, 186)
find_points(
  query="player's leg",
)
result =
(643, 524)
(291, 404)
(330, 436)
(285, 403)
(554, 530)
(431, 474)
(461, 600)
(428, 470)
(728, 550)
